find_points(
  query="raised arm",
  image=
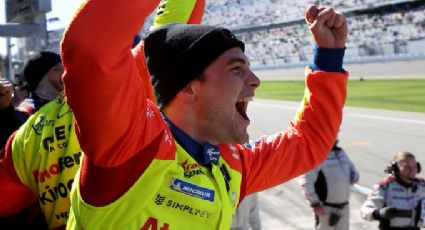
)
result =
(309, 138)
(101, 78)
(170, 11)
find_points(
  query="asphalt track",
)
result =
(370, 137)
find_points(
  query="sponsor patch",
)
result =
(191, 169)
(397, 189)
(191, 189)
(161, 200)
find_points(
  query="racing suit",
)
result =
(392, 192)
(147, 179)
(329, 185)
(40, 163)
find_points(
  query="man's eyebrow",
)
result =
(237, 59)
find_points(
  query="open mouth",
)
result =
(241, 106)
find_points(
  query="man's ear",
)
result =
(187, 94)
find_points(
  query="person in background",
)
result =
(187, 166)
(396, 202)
(247, 216)
(38, 169)
(21, 95)
(327, 189)
(8, 119)
(42, 73)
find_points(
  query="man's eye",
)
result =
(237, 70)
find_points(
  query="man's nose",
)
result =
(254, 81)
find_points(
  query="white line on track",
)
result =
(356, 188)
(402, 120)
(361, 189)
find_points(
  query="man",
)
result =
(38, 169)
(180, 168)
(43, 74)
(396, 201)
(8, 119)
(327, 189)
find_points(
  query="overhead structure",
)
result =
(19, 30)
(20, 11)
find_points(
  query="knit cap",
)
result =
(177, 53)
(38, 66)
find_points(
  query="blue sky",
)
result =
(62, 9)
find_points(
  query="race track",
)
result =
(370, 138)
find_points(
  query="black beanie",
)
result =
(176, 54)
(38, 66)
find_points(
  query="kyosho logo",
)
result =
(52, 194)
(191, 169)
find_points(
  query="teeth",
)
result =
(245, 99)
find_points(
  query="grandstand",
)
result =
(276, 35)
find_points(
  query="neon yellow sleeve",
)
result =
(181, 11)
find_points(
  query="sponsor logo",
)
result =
(191, 169)
(251, 144)
(167, 138)
(213, 154)
(234, 153)
(397, 190)
(52, 194)
(149, 113)
(190, 210)
(59, 135)
(191, 189)
(56, 168)
(39, 125)
(152, 224)
(159, 200)
(401, 198)
(62, 215)
(59, 115)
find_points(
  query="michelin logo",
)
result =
(191, 189)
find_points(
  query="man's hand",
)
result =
(329, 28)
(319, 210)
(6, 91)
(354, 180)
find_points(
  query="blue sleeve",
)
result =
(328, 59)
